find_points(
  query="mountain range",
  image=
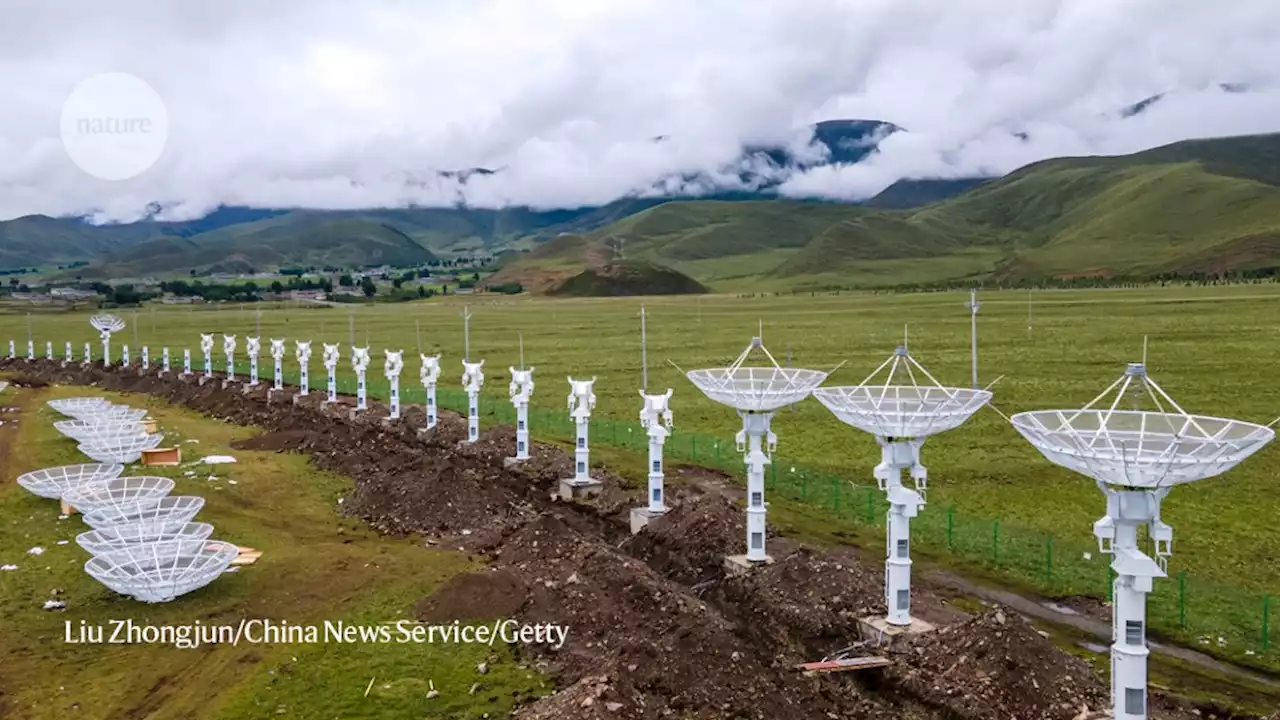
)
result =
(1099, 216)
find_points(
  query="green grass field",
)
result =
(316, 567)
(996, 506)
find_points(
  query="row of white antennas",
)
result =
(1134, 455)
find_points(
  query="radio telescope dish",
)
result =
(54, 482)
(119, 537)
(906, 409)
(1137, 443)
(174, 508)
(756, 393)
(123, 450)
(80, 429)
(901, 404)
(117, 412)
(756, 389)
(118, 492)
(161, 571)
(1136, 448)
(71, 407)
(107, 323)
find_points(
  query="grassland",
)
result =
(1208, 346)
(316, 567)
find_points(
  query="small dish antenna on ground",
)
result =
(161, 571)
(902, 405)
(1136, 456)
(757, 393)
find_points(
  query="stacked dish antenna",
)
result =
(901, 404)
(144, 542)
(1136, 443)
(106, 324)
(756, 393)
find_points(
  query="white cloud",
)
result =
(322, 103)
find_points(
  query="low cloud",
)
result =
(332, 105)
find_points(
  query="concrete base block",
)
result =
(740, 565)
(878, 628)
(389, 421)
(572, 489)
(640, 518)
(512, 462)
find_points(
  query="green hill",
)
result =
(1202, 206)
(38, 240)
(295, 239)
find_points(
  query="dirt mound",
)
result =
(997, 666)
(480, 595)
(284, 440)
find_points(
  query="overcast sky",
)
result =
(320, 103)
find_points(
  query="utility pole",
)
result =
(644, 354)
(466, 333)
(973, 306)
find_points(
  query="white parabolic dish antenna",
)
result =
(1137, 443)
(1133, 448)
(161, 571)
(907, 409)
(119, 492)
(118, 537)
(756, 389)
(72, 407)
(53, 482)
(756, 393)
(172, 508)
(901, 404)
(120, 449)
(82, 429)
(107, 323)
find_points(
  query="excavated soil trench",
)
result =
(657, 628)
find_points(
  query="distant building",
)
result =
(311, 295)
(181, 299)
(72, 294)
(463, 291)
(32, 297)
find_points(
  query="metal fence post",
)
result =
(1182, 598)
(995, 541)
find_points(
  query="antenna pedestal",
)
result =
(67, 355)
(394, 382)
(362, 392)
(278, 380)
(431, 406)
(656, 418)
(333, 383)
(1117, 534)
(581, 484)
(581, 401)
(164, 361)
(473, 414)
(12, 350)
(48, 350)
(904, 504)
(756, 441)
(146, 358)
(253, 371)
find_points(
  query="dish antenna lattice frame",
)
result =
(1136, 457)
(901, 417)
(757, 393)
(106, 324)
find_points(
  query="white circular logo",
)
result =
(114, 126)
